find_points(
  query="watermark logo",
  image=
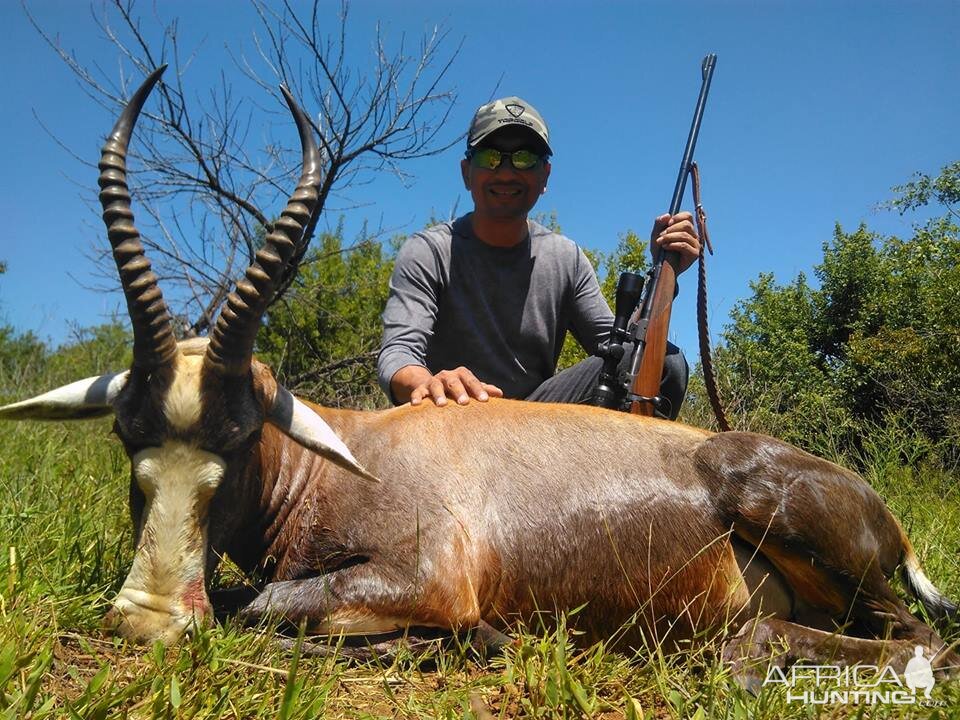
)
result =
(856, 684)
(918, 675)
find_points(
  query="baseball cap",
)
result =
(505, 112)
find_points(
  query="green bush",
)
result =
(878, 339)
(629, 255)
(22, 358)
(322, 337)
(28, 365)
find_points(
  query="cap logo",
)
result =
(515, 110)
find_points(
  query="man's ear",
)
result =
(465, 172)
(546, 175)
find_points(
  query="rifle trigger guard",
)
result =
(656, 401)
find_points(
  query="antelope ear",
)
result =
(79, 400)
(304, 426)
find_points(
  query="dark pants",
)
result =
(577, 383)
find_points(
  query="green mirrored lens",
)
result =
(524, 159)
(490, 159)
(486, 158)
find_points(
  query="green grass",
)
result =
(65, 546)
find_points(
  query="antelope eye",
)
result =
(120, 433)
(238, 441)
(132, 443)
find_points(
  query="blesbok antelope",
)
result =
(461, 516)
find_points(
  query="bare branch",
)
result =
(208, 190)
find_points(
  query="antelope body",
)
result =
(462, 516)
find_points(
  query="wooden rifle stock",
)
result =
(653, 322)
(646, 381)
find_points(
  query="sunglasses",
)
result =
(490, 159)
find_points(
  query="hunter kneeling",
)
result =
(480, 307)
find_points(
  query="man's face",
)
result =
(506, 193)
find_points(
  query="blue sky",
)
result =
(817, 109)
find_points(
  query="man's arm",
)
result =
(408, 324)
(410, 313)
(591, 318)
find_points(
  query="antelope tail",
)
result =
(937, 605)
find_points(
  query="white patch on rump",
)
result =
(182, 405)
(163, 592)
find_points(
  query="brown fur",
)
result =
(506, 511)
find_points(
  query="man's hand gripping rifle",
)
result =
(646, 324)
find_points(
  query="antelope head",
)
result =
(189, 414)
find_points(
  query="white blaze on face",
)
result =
(164, 592)
(182, 405)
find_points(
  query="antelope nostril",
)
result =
(144, 618)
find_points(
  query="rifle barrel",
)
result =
(706, 68)
(654, 316)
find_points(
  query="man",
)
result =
(479, 308)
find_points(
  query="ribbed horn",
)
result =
(231, 343)
(153, 342)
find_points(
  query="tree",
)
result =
(769, 367)
(26, 363)
(22, 358)
(90, 351)
(923, 189)
(879, 338)
(204, 189)
(322, 338)
(21, 355)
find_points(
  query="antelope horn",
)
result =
(153, 343)
(231, 343)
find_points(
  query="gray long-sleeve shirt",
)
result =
(501, 312)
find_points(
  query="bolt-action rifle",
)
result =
(643, 318)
